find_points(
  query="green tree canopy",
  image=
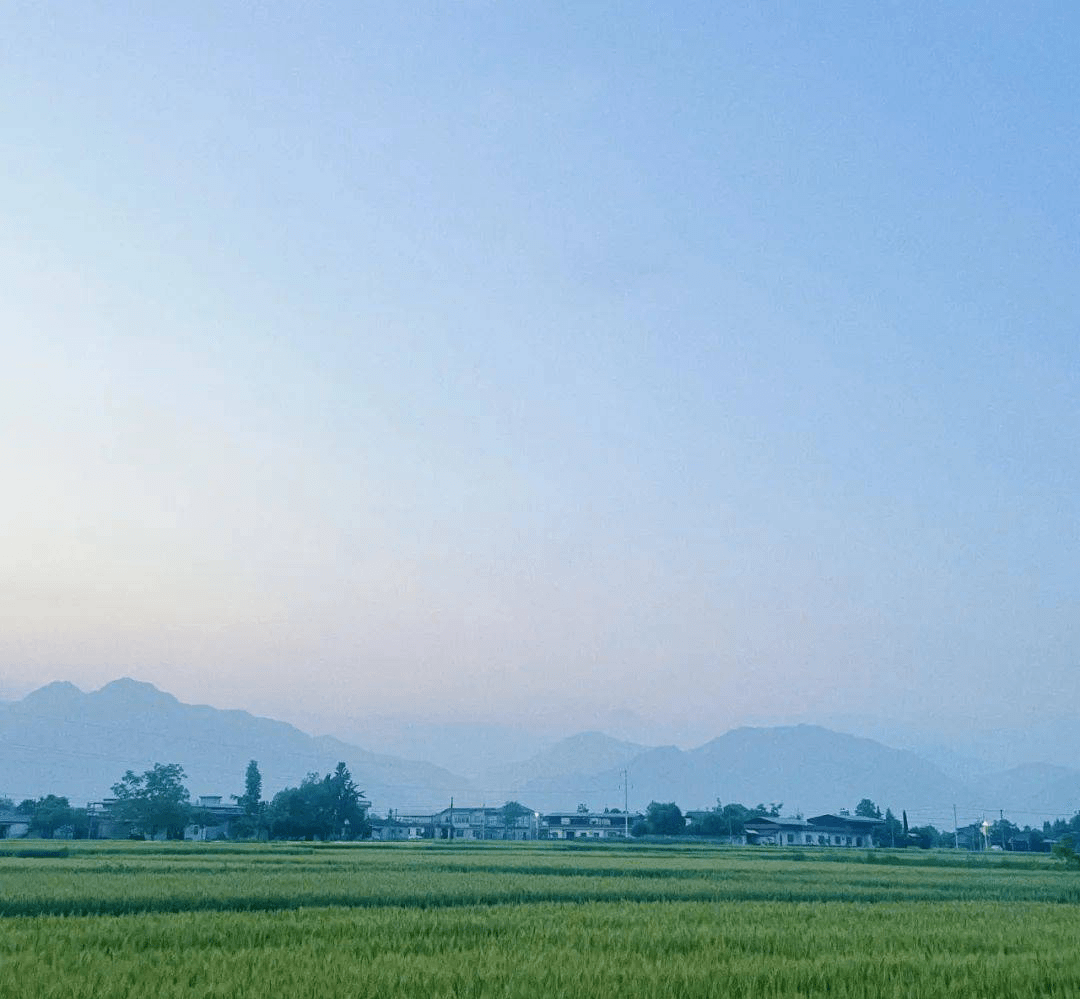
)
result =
(50, 814)
(331, 807)
(154, 801)
(867, 809)
(892, 832)
(251, 800)
(252, 823)
(664, 819)
(731, 819)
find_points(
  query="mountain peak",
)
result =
(137, 691)
(57, 692)
(142, 725)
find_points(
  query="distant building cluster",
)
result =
(212, 817)
(487, 823)
(216, 817)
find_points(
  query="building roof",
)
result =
(829, 820)
(777, 822)
(833, 819)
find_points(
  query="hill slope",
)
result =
(63, 741)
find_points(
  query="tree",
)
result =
(50, 814)
(6, 804)
(251, 799)
(1002, 833)
(730, 819)
(1066, 852)
(709, 824)
(331, 807)
(665, 819)
(583, 809)
(251, 802)
(300, 812)
(867, 809)
(154, 801)
(347, 805)
(926, 837)
(892, 832)
(511, 812)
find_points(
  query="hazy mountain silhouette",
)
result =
(804, 767)
(584, 768)
(63, 741)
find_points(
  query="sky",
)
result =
(656, 368)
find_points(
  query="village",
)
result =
(160, 808)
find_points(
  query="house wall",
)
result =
(14, 828)
(818, 836)
(582, 825)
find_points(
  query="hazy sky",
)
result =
(705, 363)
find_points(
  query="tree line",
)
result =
(729, 821)
(157, 803)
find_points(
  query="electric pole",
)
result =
(956, 830)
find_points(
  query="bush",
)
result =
(1066, 852)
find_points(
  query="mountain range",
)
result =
(61, 740)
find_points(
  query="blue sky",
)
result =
(697, 365)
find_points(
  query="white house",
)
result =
(834, 830)
(586, 825)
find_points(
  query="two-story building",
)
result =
(586, 825)
(213, 816)
(485, 823)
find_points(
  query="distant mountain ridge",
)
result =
(61, 740)
(804, 768)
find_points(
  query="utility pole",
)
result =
(955, 829)
(626, 803)
(1001, 819)
(451, 834)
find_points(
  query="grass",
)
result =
(119, 920)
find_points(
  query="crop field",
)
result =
(434, 920)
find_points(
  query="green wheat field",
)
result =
(162, 920)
